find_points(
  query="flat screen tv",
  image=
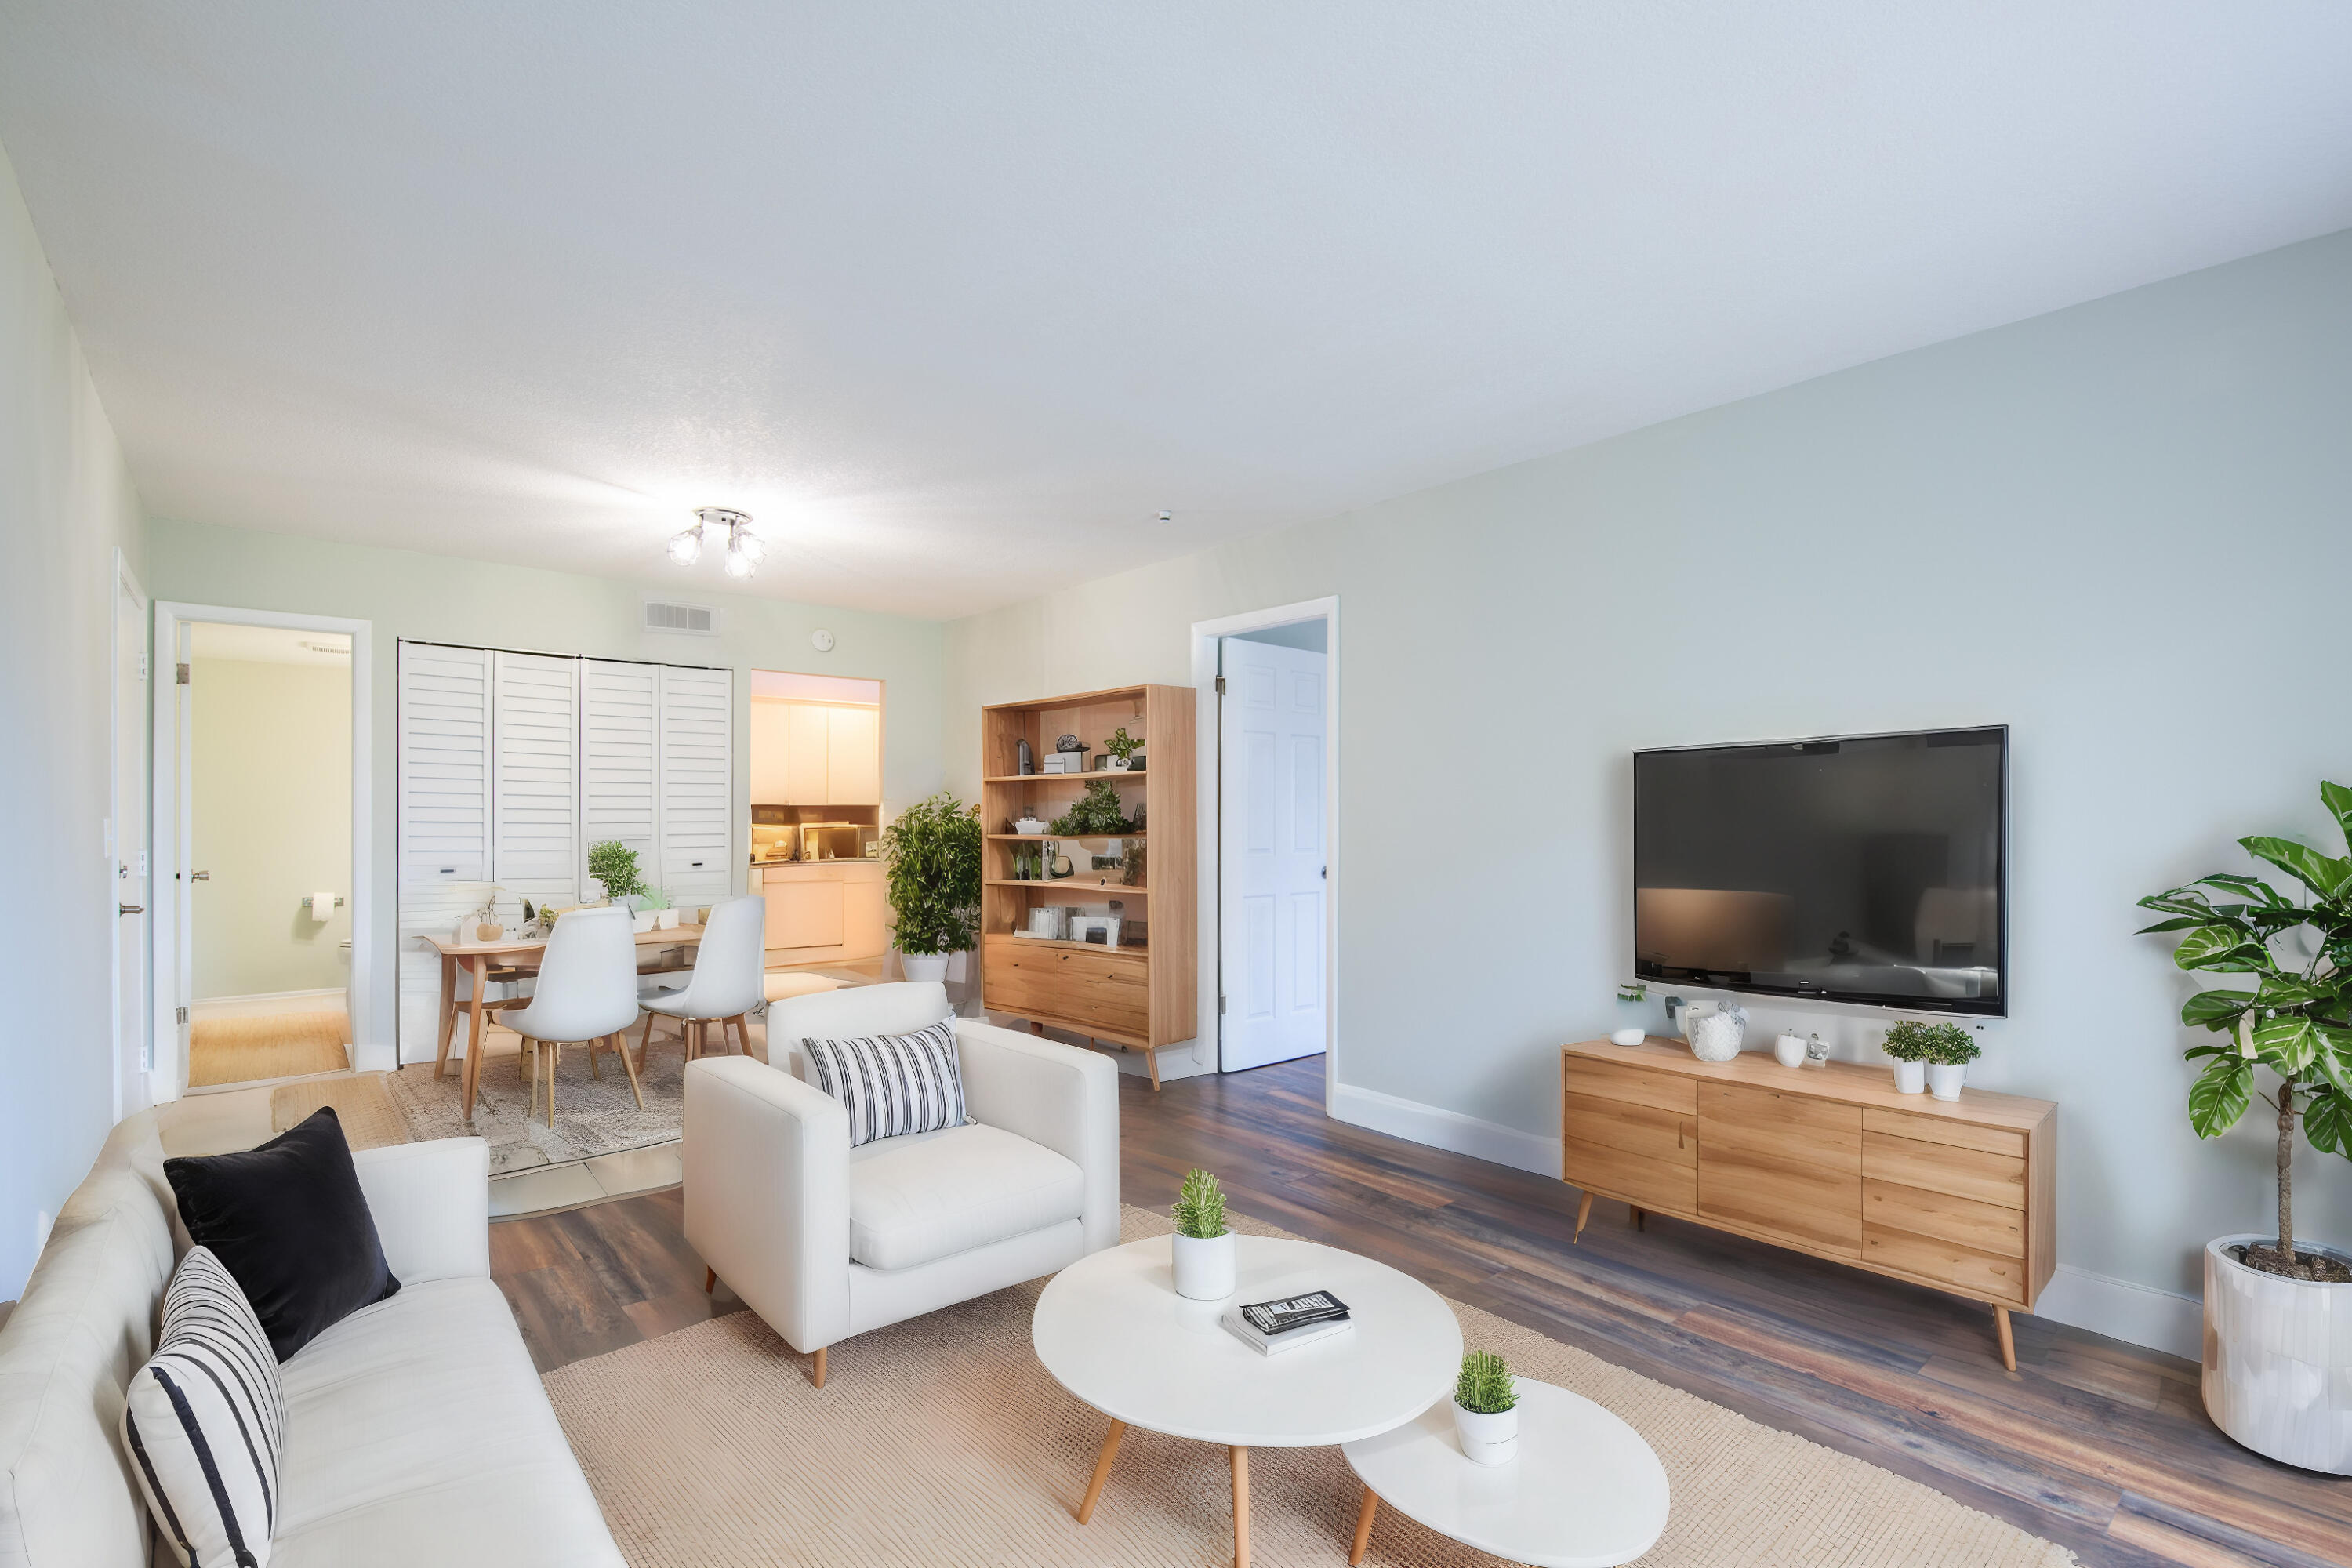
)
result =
(1871, 869)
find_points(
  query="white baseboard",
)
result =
(2138, 1314)
(1441, 1129)
(377, 1058)
(2141, 1314)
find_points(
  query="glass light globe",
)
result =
(738, 564)
(686, 549)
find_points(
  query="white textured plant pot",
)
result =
(1944, 1082)
(1487, 1439)
(1788, 1050)
(642, 921)
(1204, 1266)
(2278, 1359)
(1910, 1077)
(925, 966)
(1716, 1036)
(665, 919)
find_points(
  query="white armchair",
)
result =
(826, 1242)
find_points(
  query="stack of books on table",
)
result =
(1270, 1328)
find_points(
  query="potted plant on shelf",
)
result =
(1487, 1409)
(1930, 1056)
(2278, 1365)
(613, 866)
(1126, 753)
(1202, 1250)
(1095, 815)
(932, 856)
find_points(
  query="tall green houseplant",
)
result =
(2297, 1019)
(932, 855)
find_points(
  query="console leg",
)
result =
(710, 1281)
(1583, 1212)
(2007, 1343)
(1641, 1220)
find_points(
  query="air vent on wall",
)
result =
(700, 620)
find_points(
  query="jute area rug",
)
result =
(594, 1115)
(941, 1441)
(362, 1105)
(252, 1046)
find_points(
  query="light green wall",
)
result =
(405, 593)
(270, 795)
(67, 504)
(2121, 529)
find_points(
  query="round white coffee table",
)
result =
(1584, 1491)
(1111, 1329)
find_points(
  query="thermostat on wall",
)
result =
(820, 640)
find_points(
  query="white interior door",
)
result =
(127, 842)
(698, 783)
(1271, 853)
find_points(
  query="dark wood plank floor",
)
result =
(2098, 1445)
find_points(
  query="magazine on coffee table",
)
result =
(1271, 1327)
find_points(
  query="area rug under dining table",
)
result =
(942, 1440)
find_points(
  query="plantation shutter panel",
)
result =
(444, 765)
(697, 776)
(535, 776)
(619, 763)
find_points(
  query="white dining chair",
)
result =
(587, 992)
(729, 979)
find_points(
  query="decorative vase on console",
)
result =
(1716, 1036)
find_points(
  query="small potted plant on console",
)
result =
(2278, 1365)
(1487, 1409)
(1922, 1050)
(1202, 1248)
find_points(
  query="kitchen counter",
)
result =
(824, 910)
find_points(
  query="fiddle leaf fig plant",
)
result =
(2295, 1020)
(932, 856)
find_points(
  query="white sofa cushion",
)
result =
(417, 1431)
(917, 1198)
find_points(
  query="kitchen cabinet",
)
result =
(772, 745)
(852, 756)
(825, 911)
(805, 750)
(815, 754)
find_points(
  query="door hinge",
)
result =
(143, 664)
(1221, 1006)
(182, 679)
(1221, 686)
(180, 1015)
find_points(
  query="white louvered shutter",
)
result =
(620, 761)
(697, 774)
(444, 765)
(535, 776)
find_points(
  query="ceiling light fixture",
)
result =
(745, 549)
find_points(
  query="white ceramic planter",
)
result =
(925, 966)
(642, 921)
(2278, 1360)
(1944, 1082)
(1716, 1036)
(1910, 1077)
(665, 919)
(1204, 1266)
(1487, 1439)
(1788, 1050)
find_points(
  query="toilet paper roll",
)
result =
(322, 905)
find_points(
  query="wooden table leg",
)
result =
(1363, 1527)
(1583, 1212)
(449, 1012)
(621, 1044)
(2008, 1343)
(1102, 1469)
(1240, 1508)
(475, 1031)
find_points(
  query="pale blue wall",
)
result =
(2121, 529)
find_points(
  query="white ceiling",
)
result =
(956, 298)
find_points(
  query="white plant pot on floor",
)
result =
(924, 965)
(1204, 1266)
(1487, 1439)
(2278, 1359)
(1944, 1082)
(1910, 1077)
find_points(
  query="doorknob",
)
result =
(129, 908)
(200, 876)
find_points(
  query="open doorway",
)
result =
(1273, 810)
(269, 846)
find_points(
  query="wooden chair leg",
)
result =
(710, 1281)
(742, 1033)
(1363, 1527)
(594, 1071)
(620, 1043)
(646, 1041)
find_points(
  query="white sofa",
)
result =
(417, 1430)
(825, 1241)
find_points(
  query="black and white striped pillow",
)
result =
(892, 1084)
(202, 1421)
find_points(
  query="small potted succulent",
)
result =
(1922, 1052)
(654, 902)
(1202, 1248)
(1487, 1409)
(1126, 753)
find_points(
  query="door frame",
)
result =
(170, 953)
(1205, 637)
(133, 1086)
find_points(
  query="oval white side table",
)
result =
(1585, 1491)
(1111, 1329)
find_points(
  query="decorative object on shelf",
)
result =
(1068, 744)
(1627, 1037)
(1716, 1036)
(1095, 815)
(1633, 990)
(1031, 826)
(1817, 1050)
(1126, 753)
(1487, 1409)
(1634, 993)
(932, 856)
(1202, 1250)
(1028, 758)
(1049, 923)
(1788, 1050)
(1132, 851)
(1921, 1050)
(614, 866)
(2278, 1366)
(1102, 930)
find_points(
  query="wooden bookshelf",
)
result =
(1143, 993)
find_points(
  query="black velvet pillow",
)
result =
(290, 1223)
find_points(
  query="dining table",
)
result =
(519, 952)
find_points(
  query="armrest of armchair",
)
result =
(1060, 1095)
(767, 1194)
(431, 1204)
